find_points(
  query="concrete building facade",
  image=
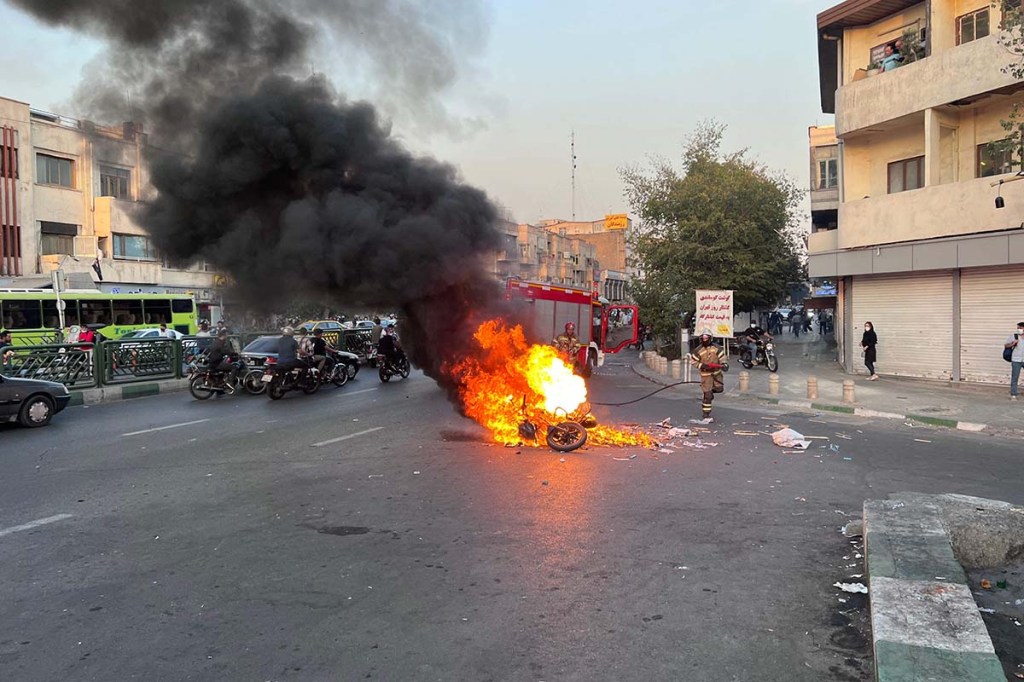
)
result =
(918, 245)
(71, 189)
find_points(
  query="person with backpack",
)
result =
(1016, 348)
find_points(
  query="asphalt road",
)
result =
(369, 532)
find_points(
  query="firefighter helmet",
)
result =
(570, 328)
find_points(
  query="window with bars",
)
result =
(115, 182)
(906, 174)
(828, 173)
(972, 26)
(55, 170)
(8, 162)
(133, 247)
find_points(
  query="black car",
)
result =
(32, 402)
(257, 351)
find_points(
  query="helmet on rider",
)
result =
(570, 328)
(288, 331)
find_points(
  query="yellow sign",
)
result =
(616, 221)
(220, 281)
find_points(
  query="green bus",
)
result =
(32, 318)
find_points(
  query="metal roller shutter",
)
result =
(912, 316)
(990, 308)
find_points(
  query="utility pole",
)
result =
(572, 160)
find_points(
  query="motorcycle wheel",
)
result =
(198, 388)
(353, 370)
(773, 363)
(339, 375)
(404, 369)
(566, 437)
(384, 374)
(312, 384)
(274, 391)
(253, 382)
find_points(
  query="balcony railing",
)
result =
(948, 76)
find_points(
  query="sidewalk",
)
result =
(972, 407)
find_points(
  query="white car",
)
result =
(153, 333)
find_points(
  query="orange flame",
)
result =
(510, 380)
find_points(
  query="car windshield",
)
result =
(264, 344)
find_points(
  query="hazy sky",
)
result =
(631, 78)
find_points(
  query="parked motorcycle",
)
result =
(765, 357)
(300, 378)
(389, 368)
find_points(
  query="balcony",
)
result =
(957, 73)
(824, 240)
(947, 210)
(114, 215)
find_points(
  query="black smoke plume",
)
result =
(291, 189)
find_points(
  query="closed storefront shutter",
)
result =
(912, 315)
(991, 305)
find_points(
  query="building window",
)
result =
(972, 26)
(906, 174)
(996, 158)
(8, 162)
(115, 182)
(133, 247)
(828, 173)
(53, 170)
(57, 238)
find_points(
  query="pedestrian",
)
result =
(868, 342)
(204, 329)
(6, 350)
(796, 323)
(641, 332)
(1013, 343)
(164, 332)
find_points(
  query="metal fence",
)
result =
(124, 361)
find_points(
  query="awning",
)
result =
(820, 303)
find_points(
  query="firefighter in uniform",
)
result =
(711, 361)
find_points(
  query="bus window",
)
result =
(182, 305)
(22, 315)
(157, 310)
(51, 320)
(128, 312)
(96, 312)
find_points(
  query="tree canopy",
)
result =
(723, 221)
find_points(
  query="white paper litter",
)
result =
(788, 438)
(860, 588)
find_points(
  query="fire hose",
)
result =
(709, 365)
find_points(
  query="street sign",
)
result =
(714, 312)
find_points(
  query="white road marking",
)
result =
(34, 524)
(351, 435)
(365, 390)
(164, 428)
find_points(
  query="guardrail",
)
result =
(81, 365)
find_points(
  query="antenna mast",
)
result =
(572, 154)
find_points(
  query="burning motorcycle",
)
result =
(563, 431)
(299, 378)
(765, 357)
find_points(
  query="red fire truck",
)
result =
(601, 327)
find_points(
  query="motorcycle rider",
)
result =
(711, 361)
(288, 351)
(754, 336)
(319, 347)
(220, 359)
(389, 347)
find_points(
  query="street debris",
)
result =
(788, 438)
(666, 423)
(854, 529)
(857, 588)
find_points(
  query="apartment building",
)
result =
(918, 245)
(609, 237)
(535, 253)
(69, 191)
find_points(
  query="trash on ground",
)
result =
(744, 433)
(843, 436)
(666, 423)
(676, 432)
(986, 610)
(858, 588)
(986, 584)
(788, 438)
(854, 529)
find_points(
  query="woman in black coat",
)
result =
(868, 343)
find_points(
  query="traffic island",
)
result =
(925, 622)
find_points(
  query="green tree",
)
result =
(723, 221)
(1011, 37)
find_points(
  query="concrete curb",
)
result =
(925, 624)
(824, 407)
(109, 394)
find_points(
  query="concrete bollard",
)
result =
(773, 384)
(848, 396)
(676, 368)
(812, 388)
(744, 381)
(662, 365)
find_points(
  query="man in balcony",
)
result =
(892, 58)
